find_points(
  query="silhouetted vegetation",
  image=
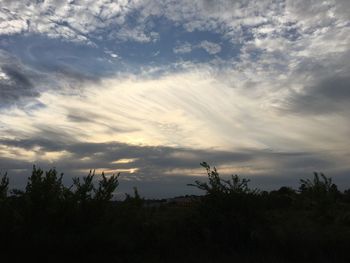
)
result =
(229, 223)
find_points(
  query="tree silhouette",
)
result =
(320, 191)
(320, 185)
(216, 185)
(106, 187)
(230, 221)
(84, 190)
(4, 183)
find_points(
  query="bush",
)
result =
(216, 185)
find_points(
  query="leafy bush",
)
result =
(320, 185)
(216, 185)
(320, 192)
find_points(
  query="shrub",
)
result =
(216, 185)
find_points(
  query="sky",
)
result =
(152, 88)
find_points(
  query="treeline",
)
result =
(229, 223)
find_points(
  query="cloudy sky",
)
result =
(153, 87)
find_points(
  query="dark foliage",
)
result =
(230, 222)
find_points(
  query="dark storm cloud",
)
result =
(163, 171)
(9, 164)
(326, 96)
(103, 154)
(31, 143)
(15, 81)
(23, 79)
(325, 85)
(156, 160)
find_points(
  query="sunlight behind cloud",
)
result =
(191, 109)
(124, 160)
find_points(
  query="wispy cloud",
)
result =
(183, 48)
(210, 47)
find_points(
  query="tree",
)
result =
(4, 183)
(45, 187)
(86, 191)
(319, 192)
(216, 185)
(319, 186)
(106, 187)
